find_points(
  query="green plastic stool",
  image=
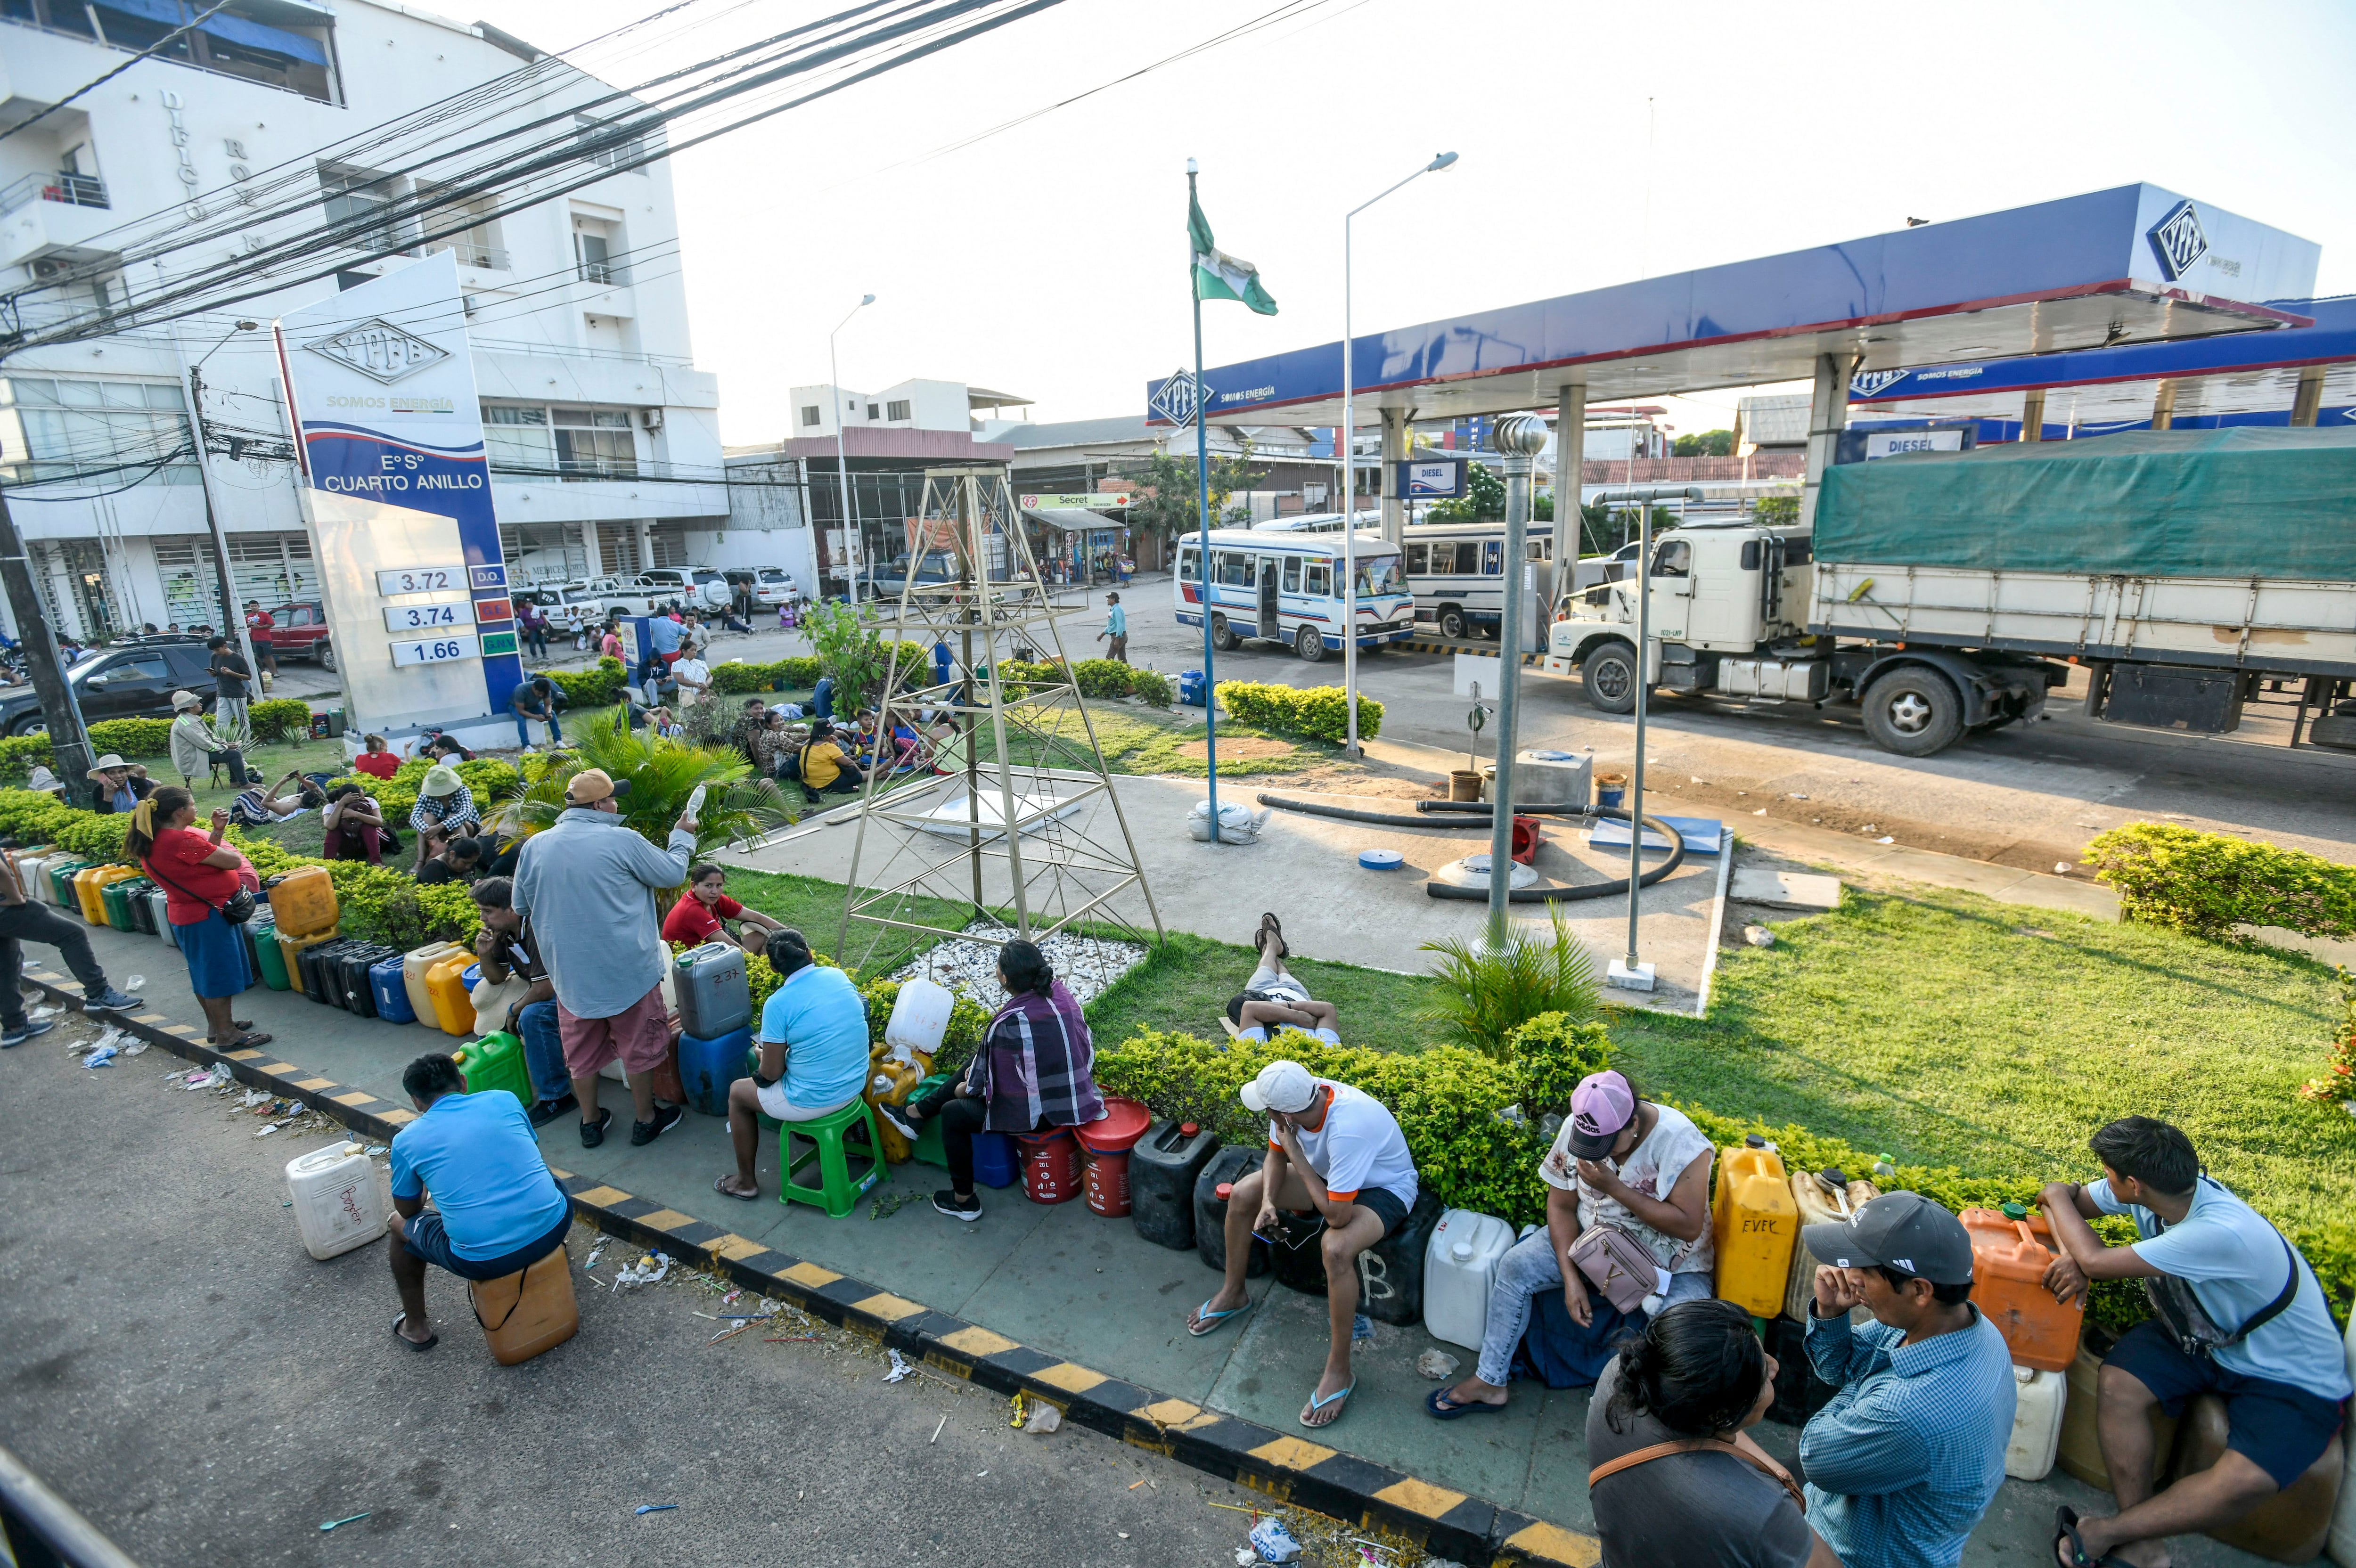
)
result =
(838, 1191)
(927, 1148)
(496, 1061)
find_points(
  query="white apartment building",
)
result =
(603, 438)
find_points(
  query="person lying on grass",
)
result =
(2240, 1316)
(1274, 999)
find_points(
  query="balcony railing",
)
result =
(490, 258)
(599, 272)
(69, 190)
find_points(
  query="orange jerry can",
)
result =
(304, 900)
(891, 1079)
(454, 1005)
(1756, 1225)
(525, 1314)
(2012, 1250)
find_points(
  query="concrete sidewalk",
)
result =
(1027, 1285)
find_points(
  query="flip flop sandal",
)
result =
(722, 1188)
(1451, 1409)
(245, 1043)
(425, 1344)
(1269, 922)
(1316, 1404)
(2065, 1528)
(1209, 1322)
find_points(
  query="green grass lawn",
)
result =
(1184, 986)
(1949, 1030)
(815, 908)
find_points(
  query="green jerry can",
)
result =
(61, 874)
(494, 1061)
(116, 895)
(261, 939)
(927, 1148)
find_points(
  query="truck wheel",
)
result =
(1310, 644)
(1452, 623)
(1221, 638)
(1914, 712)
(1609, 673)
(30, 725)
(327, 657)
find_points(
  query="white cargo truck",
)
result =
(1946, 593)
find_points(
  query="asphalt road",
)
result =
(2029, 795)
(179, 1369)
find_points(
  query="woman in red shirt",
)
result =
(695, 919)
(198, 873)
(376, 762)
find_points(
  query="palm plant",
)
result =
(661, 775)
(1488, 992)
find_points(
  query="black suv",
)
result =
(133, 679)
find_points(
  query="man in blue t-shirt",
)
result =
(813, 1054)
(2277, 1363)
(497, 1210)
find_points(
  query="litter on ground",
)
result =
(901, 1368)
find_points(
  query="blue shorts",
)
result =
(2279, 1428)
(425, 1237)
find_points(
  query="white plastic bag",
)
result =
(1237, 824)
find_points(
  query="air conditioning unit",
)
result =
(48, 268)
(653, 418)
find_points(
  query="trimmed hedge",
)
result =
(2208, 883)
(279, 719)
(1103, 679)
(1317, 712)
(738, 678)
(598, 687)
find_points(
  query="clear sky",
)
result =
(1049, 260)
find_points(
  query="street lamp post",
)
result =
(1518, 438)
(1346, 448)
(841, 459)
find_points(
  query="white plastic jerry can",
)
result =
(2036, 1423)
(1460, 1267)
(340, 1200)
(920, 1017)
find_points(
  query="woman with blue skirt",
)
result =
(198, 874)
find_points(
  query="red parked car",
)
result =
(298, 632)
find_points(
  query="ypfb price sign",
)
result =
(382, 385)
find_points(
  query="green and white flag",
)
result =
(1218, 275)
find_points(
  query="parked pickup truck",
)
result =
(1947, 594)
(297, 632)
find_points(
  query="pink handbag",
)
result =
(1616, 1265)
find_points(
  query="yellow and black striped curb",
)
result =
(1288, 1467)
(1486, 651)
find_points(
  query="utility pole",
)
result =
(69, 744)
(232, 621)
(1518, 437)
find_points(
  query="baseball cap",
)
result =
(1284, 1086)
(1599, 1110)
(1903, 1231)
(591, 785)
(441, 779)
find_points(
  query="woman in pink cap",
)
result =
(1621, 1161)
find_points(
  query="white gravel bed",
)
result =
(1086, 965)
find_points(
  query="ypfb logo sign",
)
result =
(380, 351)
(1868, 384)
(2178, 242)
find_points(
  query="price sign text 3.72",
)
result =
(420, 579)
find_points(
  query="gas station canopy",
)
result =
(2136, 264)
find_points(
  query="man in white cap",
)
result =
(1333, 1149)
(444, 810)
(195, 748)
(588, 884)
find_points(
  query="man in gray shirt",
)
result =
(589, 883)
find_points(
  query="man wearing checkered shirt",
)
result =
(1906, 1457)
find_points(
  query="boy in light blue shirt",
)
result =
(2268, 1349)
(1115, 632)
(813, 1055)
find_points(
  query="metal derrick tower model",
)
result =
(1015, 749)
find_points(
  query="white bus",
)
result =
(1457, 572)
(1287, 587)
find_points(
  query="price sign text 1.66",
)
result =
(433, 650)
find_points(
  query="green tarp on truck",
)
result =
(2214, 503)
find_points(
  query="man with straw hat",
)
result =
(444, 810)
(195, 748)
(588, 884)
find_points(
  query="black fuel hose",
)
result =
(1557, 893)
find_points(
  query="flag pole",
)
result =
(1203, 555)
